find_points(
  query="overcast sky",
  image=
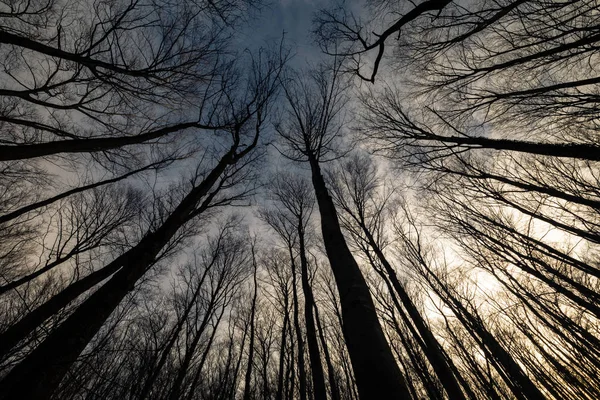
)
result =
(294, 17)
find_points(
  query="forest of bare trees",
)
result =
(190, 212)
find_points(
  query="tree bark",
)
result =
(564, 150)
(376, 371)
(27, 151)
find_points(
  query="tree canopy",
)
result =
(191, 211)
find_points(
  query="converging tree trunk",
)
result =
(376, 371)
(50, 361)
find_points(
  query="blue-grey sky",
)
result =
(294, 17)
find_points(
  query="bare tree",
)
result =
(250, 362)
(80, 327)
(357, 190)
(520, 384)
(293, 209)
(314, 121)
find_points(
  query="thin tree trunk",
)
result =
(194, 384)
(238, 364)
(26, 325)
(282, 350)
(563, 150)
(299, 340)
(177, 389)
(519, 383)
(145, 392)
(290, 373)
(248, 377)
(430, 346)
(320, 393)
(43, 203)
(333, 384)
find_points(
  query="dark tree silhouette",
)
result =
(313, 123)
(355, 191)
(152, 248)
(79, 328)
(293, 208)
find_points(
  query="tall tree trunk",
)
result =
(335, 393)
(43, 203)
(565, 150)
(290, 373)
(26, 325)
(82, 145)
(320, 393)
(252, 331)
(40, 373)
(430, 346)
(297, 328)
(282, 350)
(467, 357)
(233, 387)
(516, 379)
(149, 382)
(194, 383)
(434, 392)
(177, 389)
(376, 371)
